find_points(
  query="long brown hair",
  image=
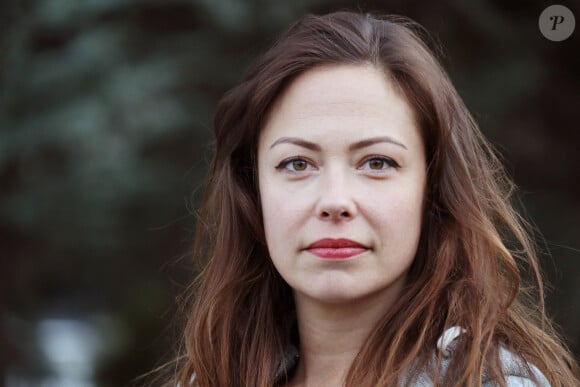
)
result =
(471, 267)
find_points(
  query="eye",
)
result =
(294, 165)
(379, 163)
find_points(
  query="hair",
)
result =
(476, 265)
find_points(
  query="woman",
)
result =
(356, 228)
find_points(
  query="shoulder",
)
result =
(517, 371)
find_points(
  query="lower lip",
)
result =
(340, 253)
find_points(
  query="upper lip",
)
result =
(331, 243)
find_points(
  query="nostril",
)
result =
(336, 212)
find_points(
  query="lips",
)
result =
(336, 248)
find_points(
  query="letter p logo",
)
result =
(557, 23)
(556, 20)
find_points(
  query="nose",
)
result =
(336, 200)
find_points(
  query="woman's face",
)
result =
(342, 180)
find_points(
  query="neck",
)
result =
(331, 336)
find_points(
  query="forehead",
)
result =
(357, 97)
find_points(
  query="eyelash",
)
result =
(285, 163)
(390, 163)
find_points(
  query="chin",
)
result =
(334, 294)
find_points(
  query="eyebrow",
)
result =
(296, 141)
(354, 146)
(375, 140)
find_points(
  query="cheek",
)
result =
(280, 212)
(281, 230)
(397, 212)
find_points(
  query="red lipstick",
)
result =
(336, 248)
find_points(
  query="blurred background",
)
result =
(105, 138)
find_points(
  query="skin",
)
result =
(319, 177)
